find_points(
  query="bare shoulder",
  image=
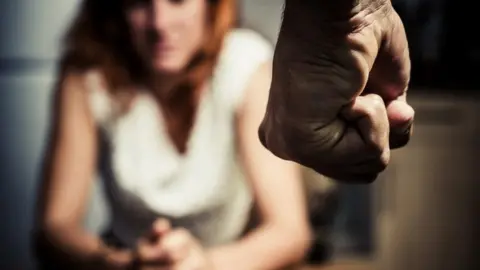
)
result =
(259, 83)
(82, 81)
(257, 91)
(84, 87)
(263, 74)
(244, 66)
(247, 43)
(82, 92)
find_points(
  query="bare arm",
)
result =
(69, 171)
(283, 236)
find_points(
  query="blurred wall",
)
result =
(427, 200)
(264, 16)
(29, 31)
(423, 20)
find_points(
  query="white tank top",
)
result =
(146, 178)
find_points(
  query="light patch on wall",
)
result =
(31, 29)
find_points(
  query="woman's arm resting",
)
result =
(68, 174)
(283, 237)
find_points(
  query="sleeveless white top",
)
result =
(146, 178)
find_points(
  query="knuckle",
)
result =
(375, 98)
(384, 160)
(376, 104)
(374, 148)
(379, 160)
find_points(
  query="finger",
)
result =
(390, 77)
(364, 139)
(400, 114)
(370, 115)
(390, 73)
(177, 245)
(161, 227)
(400, 137)
(401, 117)
(149, 253)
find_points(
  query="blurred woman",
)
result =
(161, 96)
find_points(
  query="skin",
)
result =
(167, 33)
(337, 100)
(283, 235)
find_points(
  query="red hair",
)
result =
(97, 39)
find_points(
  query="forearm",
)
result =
(76, 248)
(266, 248)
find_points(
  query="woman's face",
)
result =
(167, 33)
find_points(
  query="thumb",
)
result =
(390, 77)
(400, 117)
(400, 114)
(390, 74)
(160, 228)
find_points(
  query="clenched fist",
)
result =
(165, 248)
(338, 95)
